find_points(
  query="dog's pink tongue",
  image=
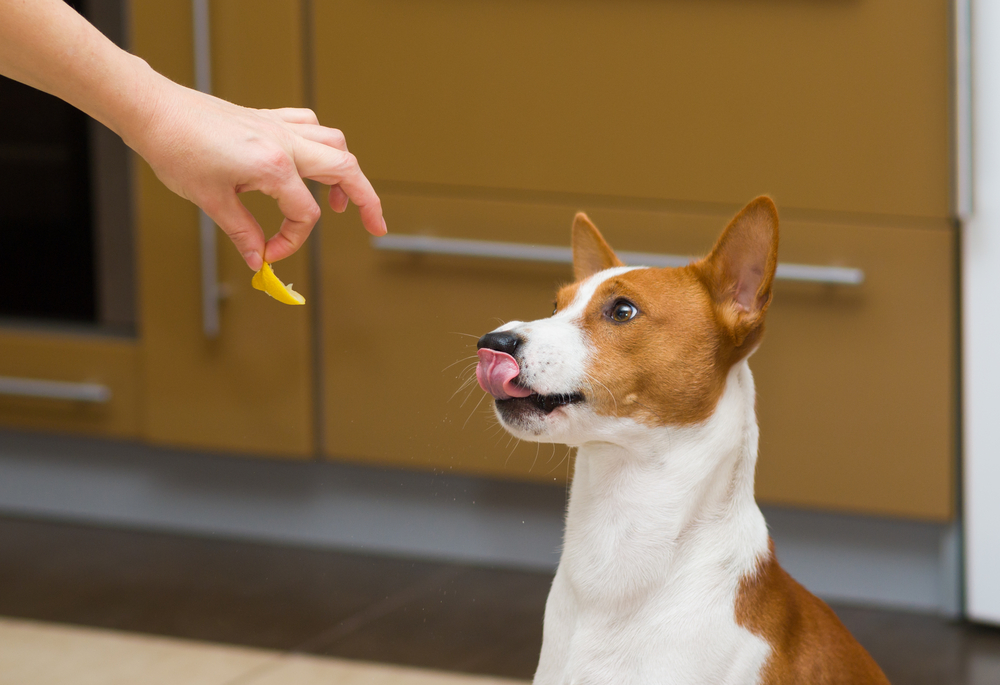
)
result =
(496, 372)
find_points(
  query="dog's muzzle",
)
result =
(498, 371)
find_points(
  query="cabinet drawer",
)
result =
(42, 373)
(856, 387)
(855, 382)
(829, 105)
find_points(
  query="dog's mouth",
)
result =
(498, 374)
(544, 403)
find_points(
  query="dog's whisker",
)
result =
(472, 389)
(509, 440)
(511, 453)
(473, 410)
(469, 378)
(564, 457)
(467, 395)
(465, 384)
(610, 394)
(469, 369)
(459, 361)
(466, 374)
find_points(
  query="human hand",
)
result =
(208, 150)
(203, 148)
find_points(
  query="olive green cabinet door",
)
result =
(248, 389)
(838, 106)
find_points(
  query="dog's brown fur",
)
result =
(808, 642)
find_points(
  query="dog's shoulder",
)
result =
(809, 644)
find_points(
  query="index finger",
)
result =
(340, 168)
(301, 214)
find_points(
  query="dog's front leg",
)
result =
(557, 636)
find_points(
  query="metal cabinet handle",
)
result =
(54, 390)
(211, 293)
(832, 275)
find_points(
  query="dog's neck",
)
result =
(666, 506)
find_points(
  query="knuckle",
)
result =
(337, 138)
(277, 161)
(312, 213)
(239, 234)
(349, 161)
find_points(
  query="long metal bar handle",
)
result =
(831, 275)
(54, 390)
(210, 291)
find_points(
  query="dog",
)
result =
(667, 573)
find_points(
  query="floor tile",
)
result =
(984, 669)
(311, 670)
(479, 621)
(920, 649)
(219, 590)
(33, 653)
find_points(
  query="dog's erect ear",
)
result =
(740, 269)
(591, 253)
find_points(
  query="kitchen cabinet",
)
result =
(496, 121)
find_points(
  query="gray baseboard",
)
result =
(433, 516)
(868, 560)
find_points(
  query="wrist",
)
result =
(130, 108)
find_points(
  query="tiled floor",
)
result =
(316, 605)
(33, 653)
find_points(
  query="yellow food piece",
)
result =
(266, 280)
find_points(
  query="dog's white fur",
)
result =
(661, 525)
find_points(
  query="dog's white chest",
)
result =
(667, 639)
(654, 556)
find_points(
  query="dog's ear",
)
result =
(740, 269)
(591, 253)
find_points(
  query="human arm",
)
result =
(203, 148)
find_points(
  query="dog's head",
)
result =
(634, 346)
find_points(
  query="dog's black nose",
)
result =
(501, 342)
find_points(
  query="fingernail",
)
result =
(254, 260)
(385, 229)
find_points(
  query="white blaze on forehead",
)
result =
(589, 287)
(580, 300)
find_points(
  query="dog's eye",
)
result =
(555, 308)
(623, 310)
